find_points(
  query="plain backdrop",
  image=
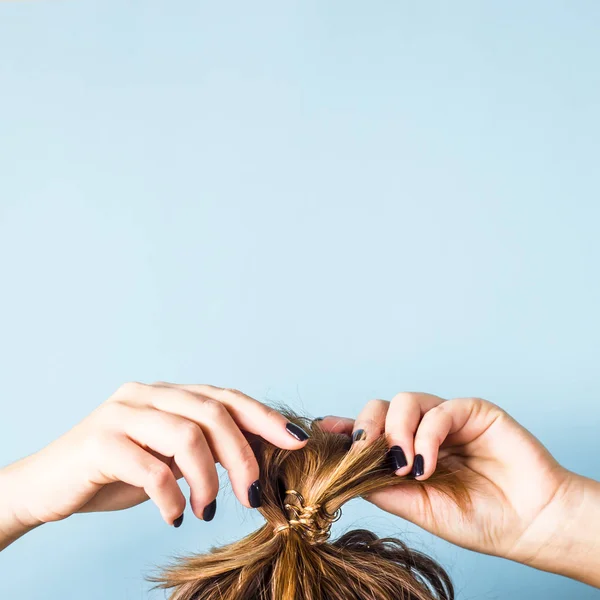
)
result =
(318, 203)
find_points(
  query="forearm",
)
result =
(13, 523)
(573, 547)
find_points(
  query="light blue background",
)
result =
(316, 202)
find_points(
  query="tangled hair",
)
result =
(289, 557)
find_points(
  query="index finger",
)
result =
(335, 424)
(252, 416)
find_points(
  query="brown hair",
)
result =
(289, 557)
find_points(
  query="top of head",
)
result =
(289, 558)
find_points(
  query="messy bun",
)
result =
(290, 557)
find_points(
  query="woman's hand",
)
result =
(135, 446)
(521, 500)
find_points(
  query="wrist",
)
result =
(565, 537)
(15, 520)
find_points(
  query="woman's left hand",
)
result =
(517, 493)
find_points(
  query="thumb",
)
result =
(406, 502)
(427, 504)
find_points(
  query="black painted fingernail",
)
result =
(359, 435)
(396, 458)
(318, 418)
(209, 511)
(297, 432)
(178, 521)
(255, 494)
(418, 466)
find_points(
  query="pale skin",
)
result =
(135, 446)
(524, 506)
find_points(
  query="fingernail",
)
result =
(318, 419)
(418, 466)
(396, 458)
(359, 435)
(178, 521)
(297, 432)
(255, 495)
(209, 511)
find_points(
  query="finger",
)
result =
(370, 423)
(253, 416)
(227, 443)
(119, 495)
(115, 496)
(415, 504)
(476, 418)
(403, 417)
(183, 440)
(123, 460)
(453, 419)
(335, 424)
(432, 431)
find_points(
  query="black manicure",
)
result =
(318, 419)
(255, 494)
(359, 435)
(418, 466)
(396, 458)
(297, 432)
(209, 511)
(178, 521)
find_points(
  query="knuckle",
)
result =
(213, 409)
(476, 404)
(158, 475)
(376, 403)
(231, 395)
(175, 394)
(232, 392)
(433, 420)
(435, 413)
(485, 404)
(190, 435)
(469, 400)
(405, 397)
(110, 414)
(129, 389)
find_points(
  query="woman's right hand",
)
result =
(522, 504)
(135, 446)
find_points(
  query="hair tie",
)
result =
(312, 521)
